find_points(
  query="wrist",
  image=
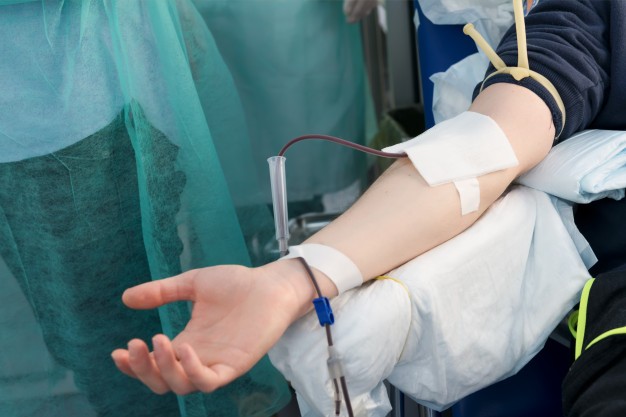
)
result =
(297, 290)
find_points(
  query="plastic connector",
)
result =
(324, 311)
(335, 369)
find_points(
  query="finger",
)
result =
(171, 370)
(120, 357)
(143, 365)
(204, 378)
(199, 375)
(348, 7)
(156, 293)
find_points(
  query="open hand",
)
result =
(238, 315)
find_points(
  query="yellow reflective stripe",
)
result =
(582, 318)
(384, 277)
(572, 322)
(619, 330)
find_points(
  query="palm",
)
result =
(238, 314)
(234, 320)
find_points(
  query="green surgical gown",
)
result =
(118, 125)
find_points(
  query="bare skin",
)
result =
(240, 313)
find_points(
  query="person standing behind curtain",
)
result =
(298, 66)
(109, 177)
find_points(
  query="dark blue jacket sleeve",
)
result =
(568, 43)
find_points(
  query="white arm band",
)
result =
(459, 150)
(334, 264)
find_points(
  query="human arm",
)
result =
(239, 313)
(401, 216)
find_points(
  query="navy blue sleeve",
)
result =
(568, 43)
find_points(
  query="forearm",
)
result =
(239, 313)
(401, 216)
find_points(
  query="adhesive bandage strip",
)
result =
(334, 264)
(459, 150)
(469, 193)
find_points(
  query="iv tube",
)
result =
(279, 183)
(279, 201)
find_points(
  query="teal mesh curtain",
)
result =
(299, 68)
(124, 158)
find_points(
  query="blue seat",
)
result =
(439, 46)
(534, 392)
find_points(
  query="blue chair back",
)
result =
(439, 46)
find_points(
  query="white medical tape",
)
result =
(469, 193)
(462, 148)
(335, 265)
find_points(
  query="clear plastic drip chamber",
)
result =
(279, 201)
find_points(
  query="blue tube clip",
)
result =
(323, 310)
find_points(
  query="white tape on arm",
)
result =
(469, 193)
(460, 150)
(335, 265)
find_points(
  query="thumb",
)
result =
(156, 293)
